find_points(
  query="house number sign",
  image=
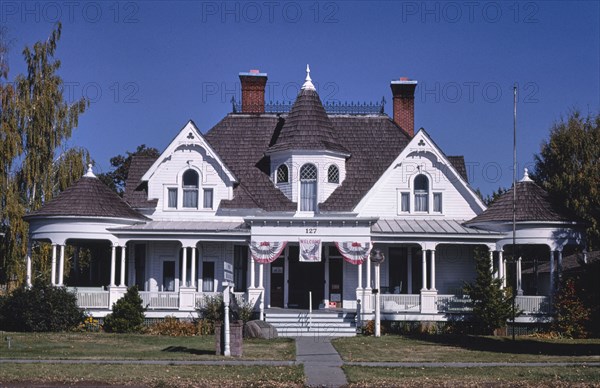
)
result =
(311, 230)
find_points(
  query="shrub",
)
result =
(173, 327)
(571, 315)
(127, 315)
(369, 328)
(213, 308)
(40, 308)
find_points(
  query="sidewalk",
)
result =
(322, 363)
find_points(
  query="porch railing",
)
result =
(160, 300)
(532, 305)
(395, 303)
(92, 298)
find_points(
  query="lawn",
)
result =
(465, 377)
(151, 375)
(440, 348)
(103, 346)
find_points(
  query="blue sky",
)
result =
(149, 66)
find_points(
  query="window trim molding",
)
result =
(316, 180)
(338, 174)
(277, 182)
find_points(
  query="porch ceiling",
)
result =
(444, 227)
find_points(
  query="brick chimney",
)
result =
(403, 91)
(253, 91)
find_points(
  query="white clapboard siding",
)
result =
(454, 265)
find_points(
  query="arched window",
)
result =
(421, 193)
(333, 174)
(282, 174)
(190, 189)
(308, 188)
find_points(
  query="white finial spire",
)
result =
(308, 85)
(526, 177)
(90, 172)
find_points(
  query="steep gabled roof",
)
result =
(533, 204)
(88, 197)
(136, 192)
(307, 127)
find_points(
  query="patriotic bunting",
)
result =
(354, 252)
(265, 252)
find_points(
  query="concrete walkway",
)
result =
(322, 363)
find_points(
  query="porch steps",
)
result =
(300, 324)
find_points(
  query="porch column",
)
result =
(53, 274)
(368, 263)
(252, 273)
(113, 254)
(409, 289)
(519, 280)
(61, 266)
(560, 268)
(193, 274)
(123, 251)
(260, 275)
(492, 264)
(28, 258)
(501, 271)
(432, 288)
(424, 269)
(184, 268)
(551, 272)
(360, 275)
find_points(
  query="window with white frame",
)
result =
(421, 192)
(282, 175)
(333, 174)
(208, 198)
(172, 198)
(437, 202)
(190, 189)
(405, 202)
(308, 187)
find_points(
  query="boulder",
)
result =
(259, 329)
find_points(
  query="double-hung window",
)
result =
(190, 189)
(308, 188)
(421, 192)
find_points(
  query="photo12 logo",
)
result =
(470, 11)
(69, 11)
(269, 12)
(118, 92)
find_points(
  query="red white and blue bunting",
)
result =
(354, 252)
(265, 252)
(310, 249)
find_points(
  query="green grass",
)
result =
(152, 375)
(461, 377)
(440, 348)
(103, 346)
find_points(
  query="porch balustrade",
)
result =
(532, 305)
(395, 303)
(454, 303)
(91, 298)
(160, 300)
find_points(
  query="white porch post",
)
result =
(432, 288)
(492, 264)
(61, 266)
(53, 275)
(368, 286)
(360, 276)
(193, 274)
(424, 269)
(184, 268)
(519, 280)
(122, 280)
(261, 272)
(28, 258)
(501, 271)
(551, 272)
(252, 273)
(262, 291)
(409, 289)
(113, 254)
(560, 268)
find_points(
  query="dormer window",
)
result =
(308, 188)
(190, 189)
(283, 175)
(333, 174)
(421, 193)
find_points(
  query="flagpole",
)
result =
(514, 231)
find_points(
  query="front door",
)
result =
(277, 283)
(336, 282)
(304, 278)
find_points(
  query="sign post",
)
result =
(377, 257)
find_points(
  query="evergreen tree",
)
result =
(567, 167)
(127, 315)
(492, 305)
(36, 122)
(116, 178)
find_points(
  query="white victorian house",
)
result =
(287, 205)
